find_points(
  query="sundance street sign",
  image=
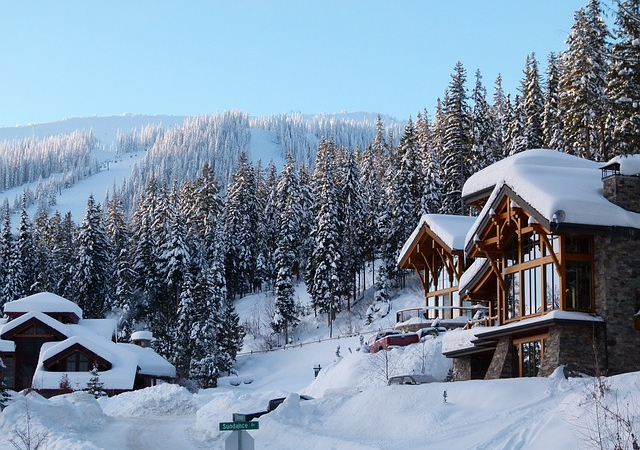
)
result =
(234, 426)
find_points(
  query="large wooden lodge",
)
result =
(553, 255)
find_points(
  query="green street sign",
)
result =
(233, 426)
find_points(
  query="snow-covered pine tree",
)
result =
(552, 132)
(241, 213)
(482, 131)
(583, 102)
(93, 268)
(7, 257)
(26, 254)
(326, 255)
(408, 185)
(532, 104)
(289, 240)
(623, 88)
(500, 107)
(64, 253)
(268, 225)
(123, 278)
(515, 140)
(351, 214)
(95, 387)
(456, 142)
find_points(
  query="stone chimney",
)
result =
(621, 185)
(623, 191)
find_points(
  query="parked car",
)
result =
(385, 340)
(275, 402)
(411, 379)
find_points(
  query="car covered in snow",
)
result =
(384, 340)
(411, 379)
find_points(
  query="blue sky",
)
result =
(80, 58)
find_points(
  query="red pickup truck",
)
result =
(385, 339)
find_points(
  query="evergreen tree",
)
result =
(26, 277)
(499, 111)
(408, 186)
(350, 211)
(532, 104)
(516, 140)
(326, 254)
(94, 385)
(288, 240)
(122, 292)
(623, 88)
(8, 256)
(583, 83)
(482, 132)
(552, 132)
(241, 212)
(456, 143)
(93, 269)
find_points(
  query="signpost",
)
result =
(239, 438)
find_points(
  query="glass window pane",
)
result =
(513, 295)
(578, 285)
(83, 363)
(578, 245)
(530, 247)
(551, 287)
(532, 290)
(72, 362)
(530, 358)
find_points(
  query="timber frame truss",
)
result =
(505, 221)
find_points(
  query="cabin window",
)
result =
(513, 295)
(578, 292)
(551, 287)
(579, 245)
(530, 355)
(531, 279)
(77, 362)
(532, 290)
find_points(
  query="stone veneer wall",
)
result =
(578, 347)
(617, 294)
(623, 191)
(503, 363)
(471, 367)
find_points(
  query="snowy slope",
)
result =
(352, 406)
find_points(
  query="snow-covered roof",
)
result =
(45, 302)
(95, 335)
(449, 228)
(42, 317)
(142, 336)
(475, 268)
(553, 184)
(629, 164)
(7, 346)
(149, 362)
(105, 328)
(99, 348)
(121, 375)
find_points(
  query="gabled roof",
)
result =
(99, 349)
(561, 189)
(15, 324)
(45, 302)
(450, 230)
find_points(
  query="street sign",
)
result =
(234, 426)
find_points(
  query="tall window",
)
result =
(530, 355)
(578, 290)
(531, 279)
